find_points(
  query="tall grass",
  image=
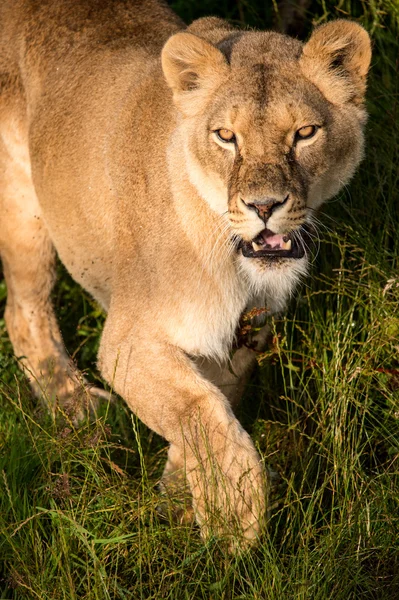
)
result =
(78, 507)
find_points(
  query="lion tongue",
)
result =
(267, 240)
(273, 240)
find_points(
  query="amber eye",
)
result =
(225, 135)
(305, 133)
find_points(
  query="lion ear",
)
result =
(337, 59)
(192, 68)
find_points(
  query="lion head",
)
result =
(271, 127)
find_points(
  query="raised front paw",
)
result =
(229, 488)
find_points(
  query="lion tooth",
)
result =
(256, 247)
(286, 245)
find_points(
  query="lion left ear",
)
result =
(337, 59)
(193, 68)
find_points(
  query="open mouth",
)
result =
(269, 244)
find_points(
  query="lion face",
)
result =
(271, 128)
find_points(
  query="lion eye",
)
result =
(225, 135)
(304, 133)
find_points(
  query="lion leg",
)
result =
(28, 258)
(232, 376)
(163, 387)
(231, 379)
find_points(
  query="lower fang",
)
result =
(286, 245)
(256, 247)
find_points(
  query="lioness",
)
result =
(174, 170)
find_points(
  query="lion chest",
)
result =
(204, 322)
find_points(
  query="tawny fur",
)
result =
(108, 156)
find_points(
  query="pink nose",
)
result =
(265, 207)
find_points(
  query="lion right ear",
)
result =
(192, 68)
(337, 59)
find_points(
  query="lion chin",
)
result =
(176, 172)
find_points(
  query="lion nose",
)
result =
(266, 206)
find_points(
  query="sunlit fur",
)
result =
(265, 87)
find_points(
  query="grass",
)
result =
(78, 515)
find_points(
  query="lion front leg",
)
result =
(231, 379)
(222, 468)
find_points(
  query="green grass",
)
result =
(78, 515)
